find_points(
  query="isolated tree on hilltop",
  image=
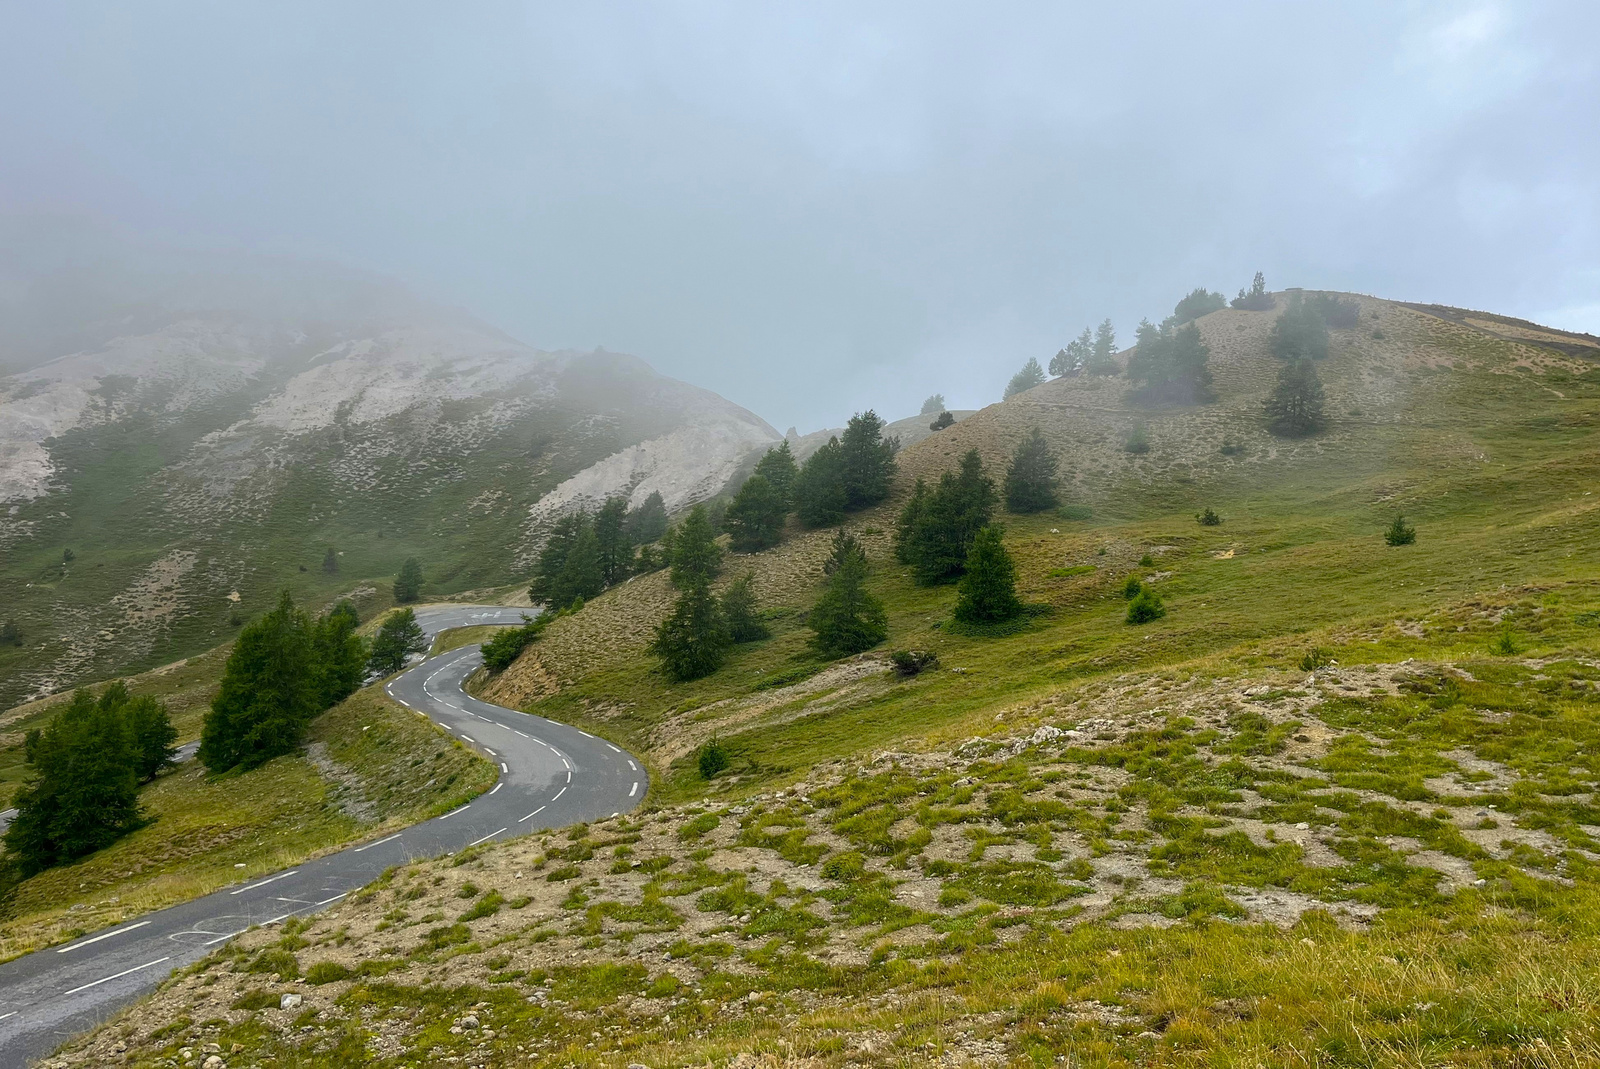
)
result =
(933, 405)
(1030, 376)
(987, 593)
(1169, 365)
(1199, 302)
(819, 490)
(1030, 484)
(868, 461)
(408, 584)
(778, 468)
(1295, 408)
(1258, 299)
(268, 694)
(1103, 360)
(755, 519)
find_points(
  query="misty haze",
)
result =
(702, 535)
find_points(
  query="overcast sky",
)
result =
(817, 208)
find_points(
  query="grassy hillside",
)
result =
(1337, 808)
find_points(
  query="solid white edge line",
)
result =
(263, 883)
(97, 938)
(535, 813)
(380, 842)
(496, 787)
(486, 838)
(453, 812)
(118, 976)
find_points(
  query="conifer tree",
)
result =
(739, 610)
(1295, 408)
(151, 735)
(1103, 361)
(1300, 332)
(268, 692)
(1170, 365)
(83, 791)
(569, 565)
(1197, 303)
(933, 405)
(819, 490)
(844, 544)
(846, 618)
(694, 640)
(936, 539)
(1258, 299)
(987, 593)
(408, 584)
(1030, 484)
(906, 523)
(501, 650)
(399, 637)
(696, 557)
(1400, 533)
(1075, 357)
(755, 519)
(613, 548)
(648, 522)
(944, 420)
(778, 468)
(1030, 376)
(341, 655)
(867, 460)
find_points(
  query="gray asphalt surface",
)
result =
(551, 775)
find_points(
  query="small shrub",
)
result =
(846, 866)
(326, 972)
(714, 758)
(1505, 643)
(439, 938)
(1147, 561)
(908, 663)
(1314, 658)
(487, 906)
(1138, 442)
(1377, 335)
(1399, 533)
(467, 890)
(256, 999)
(1209, 518)
(1231, 448)
(1145, 607)
(699, 826)
(1132, 588)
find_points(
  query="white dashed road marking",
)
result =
(486, 838)
(96, 939)
(118, 976)
(263, 883)
(380, 842)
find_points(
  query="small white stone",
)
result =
(290, 1001)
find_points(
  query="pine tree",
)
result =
(150, 734)
(1300, 332)
(1103, 361)
(846, 619)
(1258, 299)
(1197, 303)
(83, 793)
(330, 562)
(819, 492)
(844, 544)
(341, 655)
(906, 524)
(867, 460)
(755, 519)
(936, 540)
(1145, 607)
(268, 692)
(1030, 376)
(569, 565)
(696, 557)
(1399, 533)
(778, 468)
(933, 405)
(1170, 365)
(944, 420)
(1295, 408)
(1030, 484)
(739, 610)
(1075, 357)
(408, 584)
(694, 640)
(613, 548)
(501, 650)
(988, 591)
(399, 637)
(648, 522)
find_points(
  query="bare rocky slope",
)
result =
(219, 433)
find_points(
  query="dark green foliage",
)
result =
(67, 556)
(908, 663)
(1169, 366)
(1230, 447)
(713, 758)
(846, 619)
(569, 564)
(1258, 299)
(944, 420)
(936, 528)
(341, 655)
(932, 405)
(778, 468)
(10, 634)
(1145, 607)
(1399, 533)
(1295, 408)
(739, 610)
(1075, 513)
(648, 522)
(696, 557)
(83, 794)
(1199, 302)
(1132, 587)
(501, 650)
(819, 494)
(693, 641)
(1075, 357)
(1102, 361)
(868, 461)
(844, 543)
(150, 730)
(755, 519)
(613, 548)
(988, 591)
(269, 692)
(1209, 518)
(1138, 441)
(1030, 484)
(330, 562)
(1314, 658)
(1030, 376)
(1337, 312)
(408, 584)
(399, 637)
(1299, 333)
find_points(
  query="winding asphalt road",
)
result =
(551, 775)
